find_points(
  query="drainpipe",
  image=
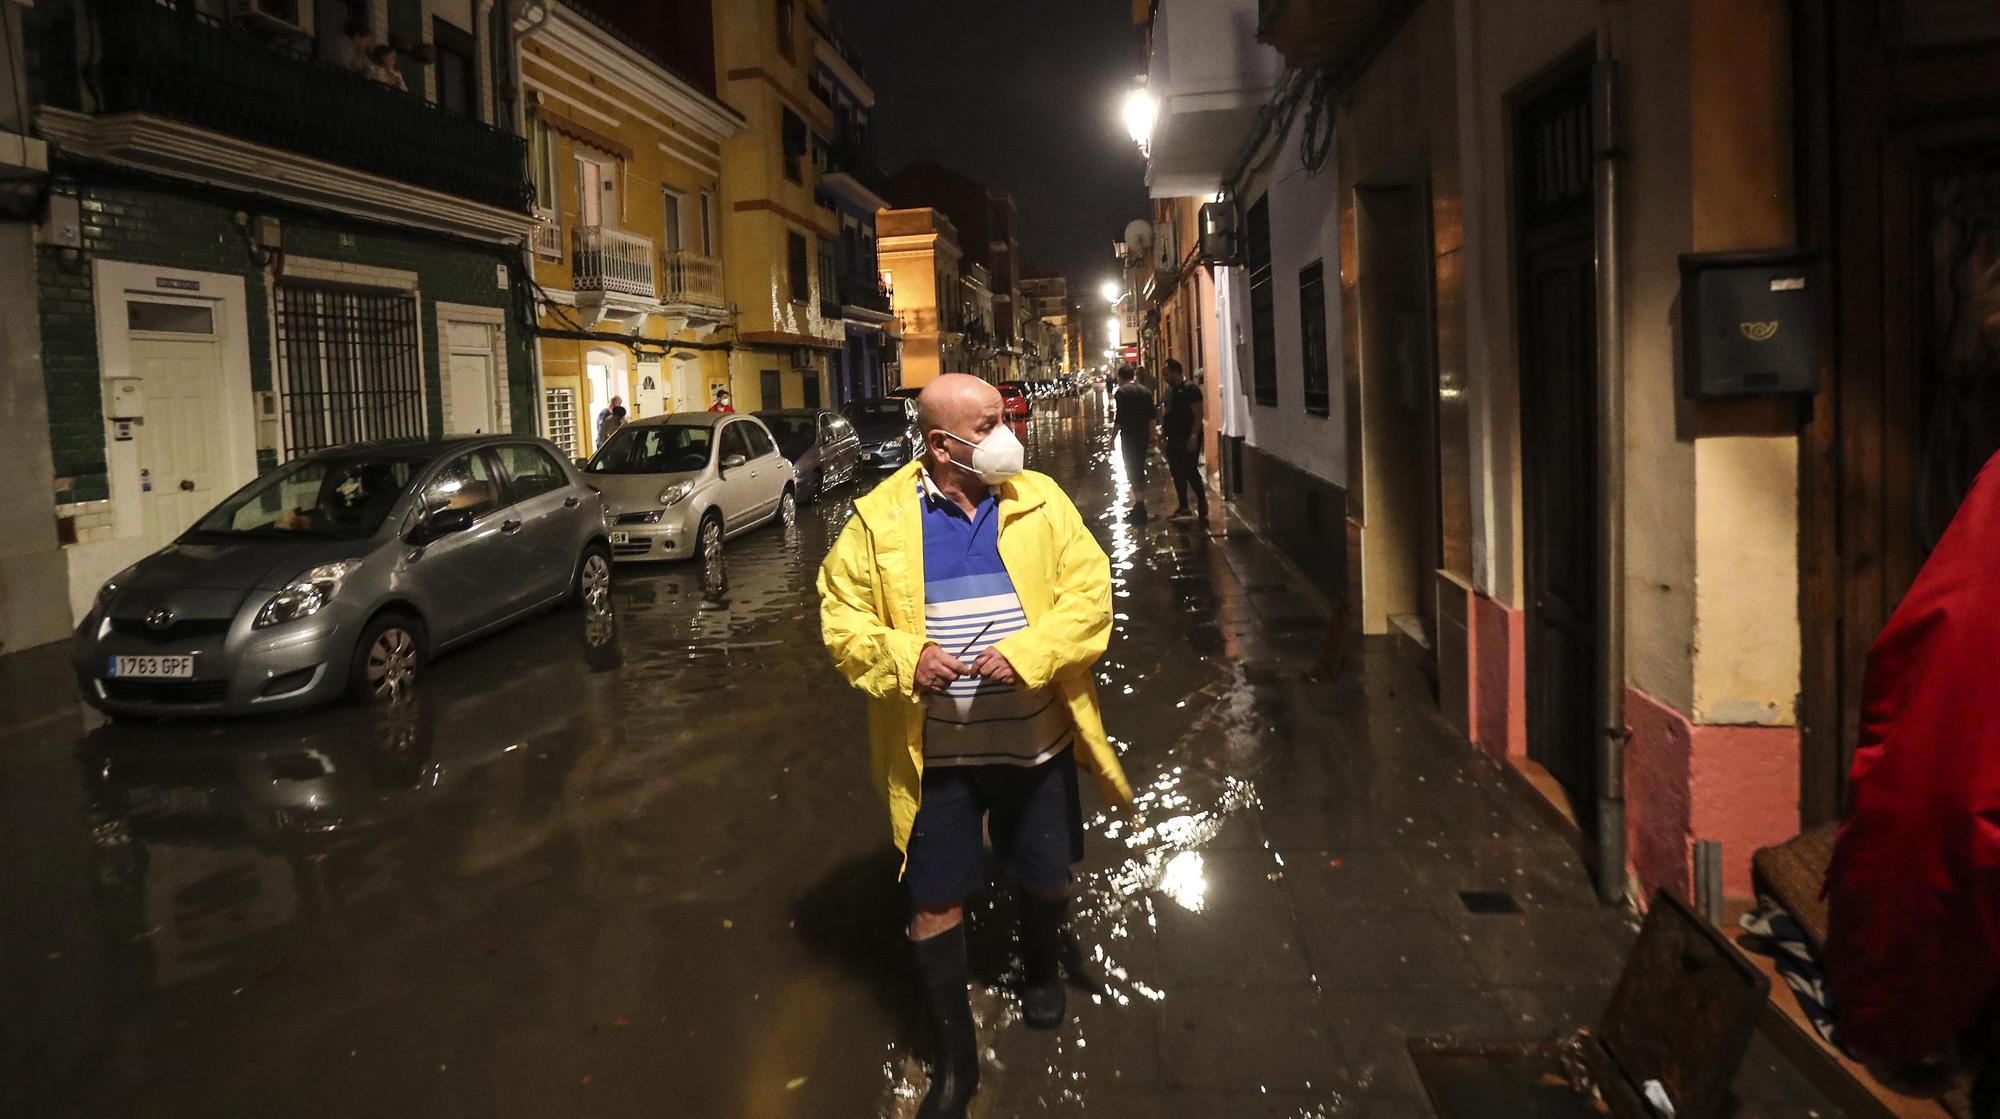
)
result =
(1611, 461)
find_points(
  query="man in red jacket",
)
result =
(1913, 944)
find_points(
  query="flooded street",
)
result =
(633, 864)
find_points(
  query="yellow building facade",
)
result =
(780, 241)
(920, 256)
(627, 164)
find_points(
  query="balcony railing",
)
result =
(612, 260)
(865, 291)
(546, 237)
(176, 63)
(690, 278)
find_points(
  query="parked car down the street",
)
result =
(1013, 400)
(677, 486)
(342, 573)
(823, 449)
(887, 427)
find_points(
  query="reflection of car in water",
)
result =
(678, 486)
(343, 572)
(205, 840)
(822, 447)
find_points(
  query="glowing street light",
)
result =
(1113, 321)
(1112, 292)
(1140, 112)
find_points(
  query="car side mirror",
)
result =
(442, 523)
(731, 462)
(581, 463)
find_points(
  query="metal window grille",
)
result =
(350, 366)
(559, 419)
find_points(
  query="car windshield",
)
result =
(655, 449)
(331, 498)
(793, 433)
(877, 413)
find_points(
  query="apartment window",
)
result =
(670, 219)
(771, 390)
(1312, 335)
(797, 268)
(594, 181)
(350, 366)
(794, 132)
(707, 223)
(829, 276)
(785, 21)
(457, 69)
(1263, 309)
(542, 163)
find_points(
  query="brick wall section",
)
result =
(161, 226)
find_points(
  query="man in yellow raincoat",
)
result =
(967, 598)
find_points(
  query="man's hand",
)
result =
(993, 665)
(937, 670)
(1194, 443)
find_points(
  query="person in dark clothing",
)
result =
(1181, 438)
(1132, 413)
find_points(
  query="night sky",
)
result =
(1023, 95)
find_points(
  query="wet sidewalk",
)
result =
(634, 866)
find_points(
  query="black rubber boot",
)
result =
(1041, 951)
(955, 1063)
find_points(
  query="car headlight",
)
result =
(676, 493)
(306, 595)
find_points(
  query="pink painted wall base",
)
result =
(1686, 781)
(1497, 679)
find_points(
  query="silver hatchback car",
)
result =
(342, 573)
(677, 486)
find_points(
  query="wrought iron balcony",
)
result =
(867, 292)
(689, 278)
(177, 63)
(612, 261)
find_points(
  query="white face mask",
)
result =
(996, 458)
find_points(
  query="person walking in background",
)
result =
(982, 701)
(1132, 412)
(610, 419)
(722, 403)
(1181, 439)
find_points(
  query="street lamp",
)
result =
(1112, 293)
(1140, 112)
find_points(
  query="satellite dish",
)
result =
(1138, 236)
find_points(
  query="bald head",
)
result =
(962, 405)
(953, 400)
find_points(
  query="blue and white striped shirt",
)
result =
(970, 604)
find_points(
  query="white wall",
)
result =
(1304, 227)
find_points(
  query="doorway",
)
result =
(605, 377)
(176, 355)
(474, 392)
(1401, 531)
(1559, 461)
(1900, 161)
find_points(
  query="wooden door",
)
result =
(1558, 329)
(1900, 136)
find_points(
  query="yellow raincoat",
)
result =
(871, 594)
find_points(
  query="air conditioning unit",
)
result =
(1166, 249)
(804, 358)
(1219, 243)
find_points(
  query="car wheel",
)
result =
(387, 659)
(788, 508)
(593, 576)
(710, 537)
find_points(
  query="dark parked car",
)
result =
(822, 446)
(887, 427)
(343, 572)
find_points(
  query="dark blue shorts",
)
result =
(1032, 813)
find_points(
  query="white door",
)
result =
(469, 389)
(180, 472)
(596, 193)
